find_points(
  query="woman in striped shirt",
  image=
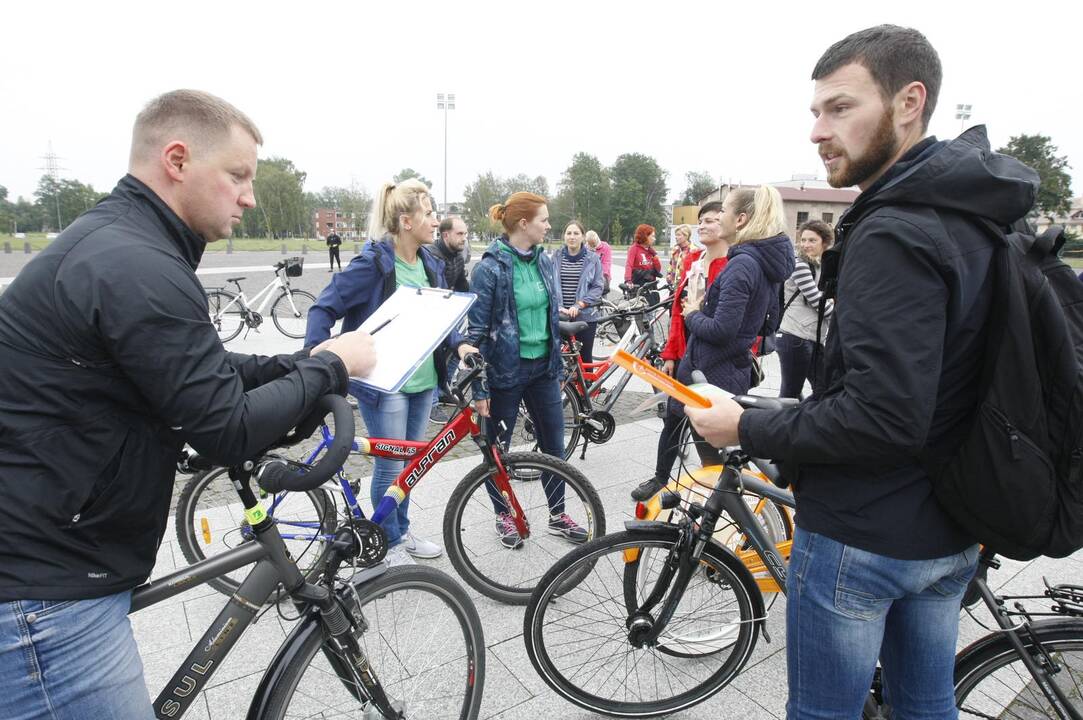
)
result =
(801, 326)
(580, 280)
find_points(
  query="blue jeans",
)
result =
(70, 659)
(541, 394)
(847, 607)
(394, 416)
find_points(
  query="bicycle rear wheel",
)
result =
(210, 520)
(991, 680)
(423, 639)
(474, 546)
(577, 633)
(571, 404)
(226, 313)
(290, 312)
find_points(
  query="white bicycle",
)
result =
(232, 312)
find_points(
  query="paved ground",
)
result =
(166, 632)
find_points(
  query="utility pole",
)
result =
(445, 104)
(52, 169)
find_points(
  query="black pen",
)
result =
(382, 325)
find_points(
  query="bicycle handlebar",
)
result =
(275, 475)
(635, 311)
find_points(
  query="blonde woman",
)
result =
(403, 221)
(683, 237)
(722, 324)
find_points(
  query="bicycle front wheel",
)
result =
(577, 634)
(423, 639)
(226, 313)
(992, 681)
(210, 520)
(498, 566)
(290, 312)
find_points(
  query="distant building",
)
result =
(803, 200)
(1072, 222)
(325, 220)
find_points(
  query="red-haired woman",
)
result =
(643, 264)
(515, 326)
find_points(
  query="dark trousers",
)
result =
(586, 341)
(668, 446)
(795, 356)
(332, 255)
(541, 395)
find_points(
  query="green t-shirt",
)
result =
(424, 378)
(531, 304)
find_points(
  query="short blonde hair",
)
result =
(392, 202)
(192, 115)
(686, 230)
(763, 205)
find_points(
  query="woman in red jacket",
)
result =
(643, 264)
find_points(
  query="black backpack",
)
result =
(1016, 481)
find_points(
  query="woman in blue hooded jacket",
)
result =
(722, 325)
(515, 325)
(402, 213)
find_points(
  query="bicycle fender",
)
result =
(291, 646)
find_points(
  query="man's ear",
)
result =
(175, 156)
(910, 103)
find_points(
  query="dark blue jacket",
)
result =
(493, 323)
(363, 286)
(720, 335)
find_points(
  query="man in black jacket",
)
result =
(877, 566)
(334, 241)
(110, 366)
(450, 246)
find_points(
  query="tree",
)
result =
(407, 173)
(350, 200)
(583, 194)
(59, 201)
(639, 194)
(7, 211)
(487, 190)
(699, 184)
(1038, 151)
(280, 201)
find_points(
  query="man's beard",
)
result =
(881, 149)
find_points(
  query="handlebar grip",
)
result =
(277, 476)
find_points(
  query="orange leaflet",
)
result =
(670, 386)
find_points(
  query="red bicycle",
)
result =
(505, 523)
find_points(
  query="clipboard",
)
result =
(411, 323)
(670, 386)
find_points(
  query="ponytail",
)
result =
(766, 217)
(392, 201)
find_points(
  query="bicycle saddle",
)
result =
(567, 329)
(236, 279)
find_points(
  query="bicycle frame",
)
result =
(263, 297)
(273, 566)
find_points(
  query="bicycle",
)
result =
(676, 616)
(352, 651)
(232, 312)
(207, 524)
(614, 323)
(583, 384)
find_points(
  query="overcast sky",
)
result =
(347, 90)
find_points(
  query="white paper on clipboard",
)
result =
(420, 319)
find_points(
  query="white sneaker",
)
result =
(424, 549)
(398, 556)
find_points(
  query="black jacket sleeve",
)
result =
(889, 324)
(153, 318)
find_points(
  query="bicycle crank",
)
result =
(253, 319)
(599, 426)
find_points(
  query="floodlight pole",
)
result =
(445, 103)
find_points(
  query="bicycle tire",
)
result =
(310, 686)
(1010, 691)
(571, 404)
(607, 329)
(209, 496)
(226, 314)
(545, 619)
(284, 316)
(473, 546)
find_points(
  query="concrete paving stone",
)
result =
(160, 627)
(230, 700)
(503, 689)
